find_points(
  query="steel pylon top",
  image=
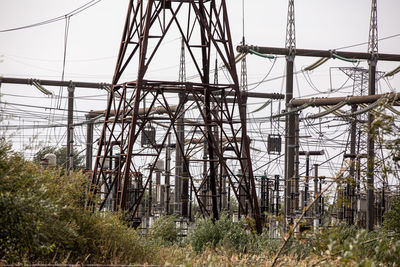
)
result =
(291, 28)
(373, 30)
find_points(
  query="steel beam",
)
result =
(330, 101)
(317, 53)
(70, 130)
(94, 85)
(371, 150)
(29, 81)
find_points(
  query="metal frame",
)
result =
(149, 19)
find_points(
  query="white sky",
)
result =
(94, 37)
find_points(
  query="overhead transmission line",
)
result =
(56, 19)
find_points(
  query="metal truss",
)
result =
(124, 168)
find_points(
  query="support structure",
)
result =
(317, 53)
(147, 24)
(290, 127)
(70, 129)
(89, 142)
(307, 177)
(179, 150)
(373, 50)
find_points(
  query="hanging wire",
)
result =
(66, 31)
(59, 18)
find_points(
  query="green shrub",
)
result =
(337, 234)
(164, 230)
(203, 234)
(351, 246)
(392, 217)
(42, 219)
(224, 232)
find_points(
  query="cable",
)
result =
(66, 31)
(56, 19)
(265, 77)
(32, 106)
(364, 43)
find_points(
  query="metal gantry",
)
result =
(119, 177)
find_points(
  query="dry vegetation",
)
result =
(42, 220)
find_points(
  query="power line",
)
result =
(56, 19)
(32, 106)
(364, 43)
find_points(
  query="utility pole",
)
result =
(307, 178)
(180, 138)
(290, 119)
(276, 189)
(373, 50)
(70, 130)
(244, 88)
(89, 141)
(167, 175)
(350, 201)
(316, 199)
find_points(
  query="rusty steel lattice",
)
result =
(208, 113)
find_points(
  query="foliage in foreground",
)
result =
(164, 231)
(351, 246)
(42, 219)
(391, 221)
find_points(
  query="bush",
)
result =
(337, 234)
(392, 217)
(224, 232)
(42, 219)
(351, 246)
(164, 230)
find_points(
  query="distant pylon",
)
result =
(291, 28)
(182, 64)
(373, 30)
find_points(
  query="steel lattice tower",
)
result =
(290, 28)
(373, 30)
(357, 149)
(291, 182)
(373, 50)
(123, 168)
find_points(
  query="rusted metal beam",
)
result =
(29, 81)
(317, 53)
(142, 111)
(330, 101)
(174, 87)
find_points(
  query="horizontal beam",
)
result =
(263, 95)
(316, 53)
(311, 153)
(11, 80)
(141, 111)
(330, 101)
(173, 85)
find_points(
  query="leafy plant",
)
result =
(164, 229)
(224, 232)
(42, 219)
(392, 217)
